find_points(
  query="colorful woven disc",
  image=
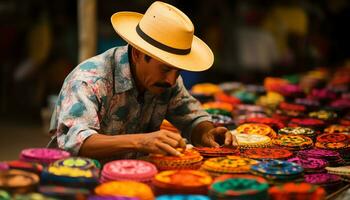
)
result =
(297, 131)
(277, 167)
(293, 141)
(183, 178)
(252, 140)
(44, 155)
(337, 129)
(125, 188)
(267, 153)
(333, 137)
(239, 187)
(255, 128)
(321, 178)
(129, 170)
(309, 163)
(75, 162)
(229, 164)
(216, 151)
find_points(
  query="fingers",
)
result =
(228, 138)
(168, 149)
(180, 142)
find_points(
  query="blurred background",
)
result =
(250, 39)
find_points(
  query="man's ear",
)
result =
(136, 55)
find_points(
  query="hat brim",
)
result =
(199, 59)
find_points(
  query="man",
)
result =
(113, 104)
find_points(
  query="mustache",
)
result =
(163, 85)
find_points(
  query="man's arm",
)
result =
(99, 145)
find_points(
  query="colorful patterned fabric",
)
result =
(100, 96)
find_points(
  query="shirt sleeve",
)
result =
(77, 115)
(184, 111)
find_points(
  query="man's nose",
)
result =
(172, 77)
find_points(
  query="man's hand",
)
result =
(217, 135)
(162, 142)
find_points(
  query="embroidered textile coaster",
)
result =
(256, 128)
(297, 191)
(267, 153)
(134, 170)
(323, 115)
(332, 157)
(125, 188)
(43, 155)
(216, 151)
(239, 187)
(76, 162)
(228, 164)
(333, 137)
(277, 167)
(336, 128)
(310, 165)
(18, 181)
(246, 141)
(186, 160)
(336, 141)
(293, 142)
(298, 131)
(181, 182)
(69, 176)
(322, 179)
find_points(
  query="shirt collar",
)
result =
(123, 79)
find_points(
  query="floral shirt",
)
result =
(100, 96)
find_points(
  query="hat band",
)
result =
(159, 45)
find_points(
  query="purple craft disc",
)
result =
(309, 163)
(319, 153)
(43, 155)
(321, 178)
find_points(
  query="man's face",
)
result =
(154, 75)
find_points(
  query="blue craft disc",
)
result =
(277, 167)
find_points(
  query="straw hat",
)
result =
(166, 34)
